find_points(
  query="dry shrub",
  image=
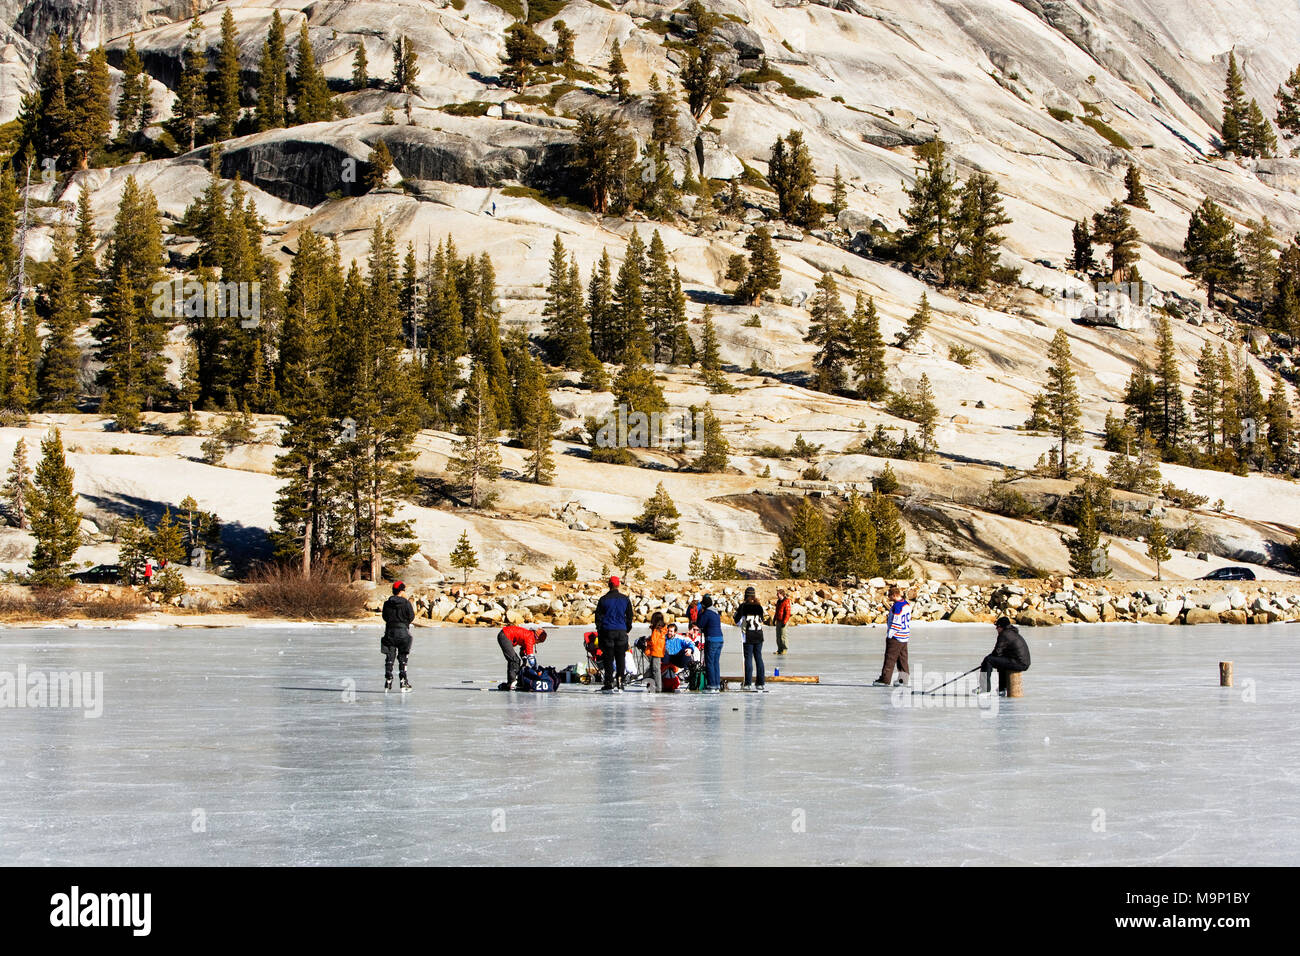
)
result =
(284, 591)
(113, 607)
(14, 603)
(50, 603)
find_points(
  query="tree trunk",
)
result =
(309, 526)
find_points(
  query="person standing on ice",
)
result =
(526, 639)
(710, 625)
(898, 631)
(396, 643)
(749, 618)
(1010, 653)
(781, 617)
(613, 621)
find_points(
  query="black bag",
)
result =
(541, 679)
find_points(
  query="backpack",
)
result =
(540, 679)
(697, 681)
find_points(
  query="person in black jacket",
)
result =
(613, 621)
(1010, 653)
(749, 618)
(396, 643)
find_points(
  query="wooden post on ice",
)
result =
(1225, 673)
(1015, 687)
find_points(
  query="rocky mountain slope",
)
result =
(1006, 84)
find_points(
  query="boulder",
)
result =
(961, 614)
(1233, 617)
(1200, 615)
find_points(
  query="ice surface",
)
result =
(241, 746)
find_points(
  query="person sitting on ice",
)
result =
(1010, 653)
(679, 651)
(513, 636)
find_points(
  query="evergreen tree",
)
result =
(891, 539)
(929, 235)
(167, 543)
(627, 557)
(659, 517)
(1259, 251)
(191, 97)
(705, 75)
(917, 322)
(1288, 105)
(406, 67)
(477, 461)
(1061, 399)
(537, 422)
(659, 302)
(272, 81)
(713, 457)
(65, 310)
(839, 194)
(525, 50)
(764, 273)
(710, 358)
(636, 389)
(1089, 555)
(89, 107)
(1258, 138)
(631, 331)
(568, 337)
(1112, 227)
(603, 157)
(1136, 192)
(696, 567)
(1211, 249)
(663, 117)
(313, 101)
(1277, 417)
(8, 227)
(1082, 259)
(1170, 413)
(1206, 398)
(381, 165)
(84, 264)
(791, 173)
(1234, 108)
(853, 542)
(226, 80)
(925, 413)
(805, 551)
(55, 523)
(564, 55)
(980, 214)
(830, 332)
(18, 488)
(131, 101)
(600, 311)
(617, 71)
(464, 557)
(868, 350)
(1157, 545)
(360, 68)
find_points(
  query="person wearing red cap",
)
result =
(396, 642)
(526, 639)
(613, 621)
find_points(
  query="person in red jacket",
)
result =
(526, 640)
(781, 616)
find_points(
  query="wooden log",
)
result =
(783, 679)
(1015, 684)
(1225, 673)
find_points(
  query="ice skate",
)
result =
(388, 684)
(406, 686)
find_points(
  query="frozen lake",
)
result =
(244, 746)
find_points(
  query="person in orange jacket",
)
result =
(654, 652)
(525, 639)
(781, 617)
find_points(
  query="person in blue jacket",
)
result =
(710, 625)
(613, 621)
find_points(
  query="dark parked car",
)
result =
(1230, 574)
(99, 574)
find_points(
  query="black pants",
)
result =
(895, 655)
(613, 652)
(754, 662)
(513, 660)
(1004, 666)
(399, 651)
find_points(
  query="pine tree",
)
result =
(477, 461)
(600, 311)
(791, 173)
(1288, 105)
(381, 165)
(1170, 413)
(272, 81)
(536, 423)
(917, 322)
(406, 67)
(660, 311)
(1258, 138)
(525, 50)
(65, 310)
(8, 227)
(131, 102)
(1157, 545)
(167, 543)
(713, 457)
(627, 556)
(764, 273)
(635, 387)
(89, 107)
(830, 332)
(1277, 417)
(360, 68)
(658, 518)
(464, 556)
(929, 235)
(839, 194)
(564, 56)
(1082, 260)
(1061, 398)
(1234, 108)
(313, 101)
(568, 338)
(853, 542)
(710, 358)
(603, 158)
(84, 264)
(226, 81)
(891, 539)
(925, 413)
(1207, 397)
(980, 214)
(1089, 556)
(1136, 192)
(696, 567)
(191, 98)
(805, 550)
(1211, 249)
(868, 350)
(18, 488)
(663, 117)
(1112, 227)
(55, 524)
(632, 333)
(617, 71)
